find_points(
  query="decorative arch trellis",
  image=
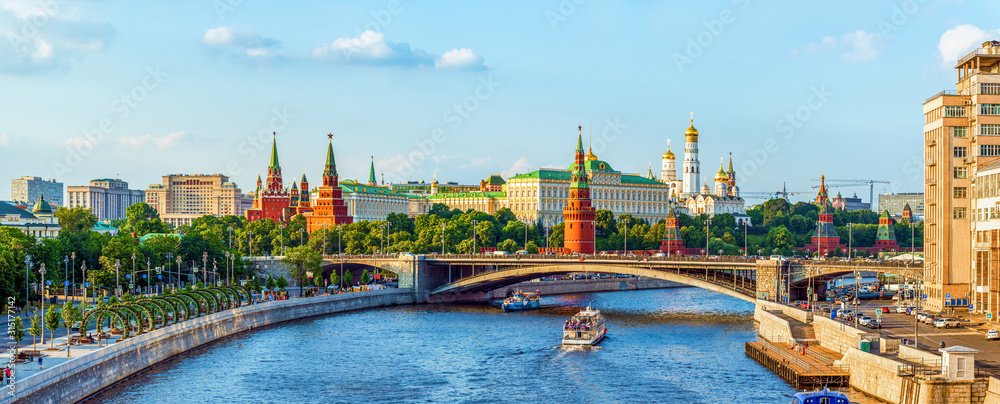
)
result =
(166, 308)
(210, 298)
(157, 309)
(180, 306)
(100, 313)
(198, 300)
(216, 292)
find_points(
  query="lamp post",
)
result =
(857, 287)
(204, 266)
(148, 275)
(41, 271)
(215, 273)
(72, 256)
(133, 268)
(708, 225)
(474, 223)
(850, 239)
(170, 257)
(83, 267)
(179, 270)
(229, 274)
(340, 232)
(118, 264)
(442, 238)
(65, 277)
(302, 234)
(282, 237)
(626, 237)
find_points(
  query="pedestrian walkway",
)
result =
(52, 356)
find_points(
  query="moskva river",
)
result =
(680, 345)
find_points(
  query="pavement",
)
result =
(970, 334)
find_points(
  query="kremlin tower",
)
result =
(885, 239)
(271, 197)
(672, 243)
(328, 208)
(578, 214)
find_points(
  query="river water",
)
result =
(681, 345)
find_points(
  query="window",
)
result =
(954, 111)
(961, 192)
(989, 129)
(958, 131)
(989, 88)
(961, 172)
(959, 151)
(989, 109)
(959, 213)
(989, 150)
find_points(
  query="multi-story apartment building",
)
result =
(895, 203)
(181, 198)
(985, 288)
(961, 136)
(27, 190)
(106, 198)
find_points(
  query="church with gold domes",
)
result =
(724, 197)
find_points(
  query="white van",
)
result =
(777, 258)
(500, 252)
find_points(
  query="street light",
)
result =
(66, 277)
(133, 268)
(204, 266)
(229, 272)
(148, 275)
(340, 254)
(708, 225)
(42, 271)
(72, 256)
(179, 261)
(118, 264)
(83, 266)
(474, 223)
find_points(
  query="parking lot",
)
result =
(901, 325)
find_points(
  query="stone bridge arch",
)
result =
(717, 281)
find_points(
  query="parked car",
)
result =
(992, 335)
(874, 324)
(900, 309)
(777, 258)
(946, 323)
(864, 320)
(929, 319)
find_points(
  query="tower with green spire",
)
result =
(672, 243)
(578, 214)
(272, 198)
(885, 238)
(328, 208)
(371, 174)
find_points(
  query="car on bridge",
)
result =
(947, 323)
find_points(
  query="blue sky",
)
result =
(140, 89)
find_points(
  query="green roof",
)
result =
(594, 165)
(469, 195)
(635, 179)
(546, 175)
(274, 153)
(101, 226)
(354, 186)
(495, 180)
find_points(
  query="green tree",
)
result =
(557, 236)
(270, 284)
(282, 283)
(605, 223)
(365, 279)
(76, 219)
(302, 259)
(532, 248)
(504, 216)
(508, 246)
(52, 323)
(35, 331)
(334, 278)
(780, 238)
(318, 280)
(16, 332)
(142, 219)
(348, 278)
(70, 315)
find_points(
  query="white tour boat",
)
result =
(585, 328)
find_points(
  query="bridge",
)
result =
(470, 277)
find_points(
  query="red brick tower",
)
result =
(273, 198)
(304, 204)
(578, 214)
(328, 208)
(672, 243)
(885, 239)
(907, 215)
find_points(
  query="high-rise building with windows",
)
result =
(895, 203)
(106, 198)
(961, 136)
(27, 190)
(181, 198)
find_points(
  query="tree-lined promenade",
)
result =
(147, 253)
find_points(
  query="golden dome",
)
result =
(669, 155)
(691, 134)
(721, 175)
(590, 155)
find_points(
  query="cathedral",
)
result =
(724, 198)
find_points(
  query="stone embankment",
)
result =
(890, 372)
(81, 377)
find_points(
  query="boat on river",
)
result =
(824, 396)
(521, 301)
(585, 328)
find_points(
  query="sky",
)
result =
(462, 90)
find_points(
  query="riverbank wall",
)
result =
(891, 372)
(81, 377)
(561, 287)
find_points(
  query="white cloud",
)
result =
(372, 48)
(4, 139)
(44, 36)
(162, 142)
(219, 36)
(522, 165)
(859, 45)
(77, 142)
(958, 41)
(459, 59)
(241, 44)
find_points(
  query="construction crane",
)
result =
(844, 183)
(784, 193)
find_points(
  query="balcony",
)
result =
(992, 50)
(941, 94)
